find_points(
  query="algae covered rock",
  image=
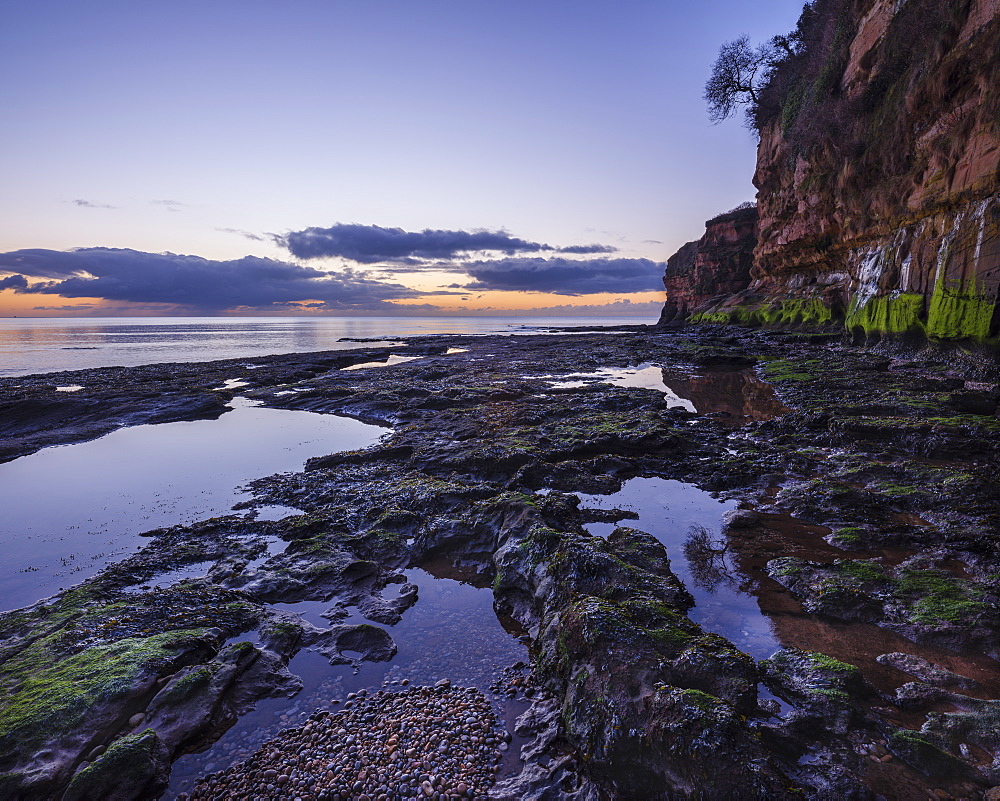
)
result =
(651, 702)
(825, 691)
(134, 767)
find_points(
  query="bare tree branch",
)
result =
(737, 76)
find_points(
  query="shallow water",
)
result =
(645, 376)
(275, 512)
(71, 509)
(739, 394)
(736, 599)
(48, 344)
(393, 359)
(451, 632)
(669, 510)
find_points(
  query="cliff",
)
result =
(878, 173)
(713, 267)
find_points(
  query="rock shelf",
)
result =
(865, 488)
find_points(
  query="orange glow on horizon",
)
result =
(20, 305)
(525, 301)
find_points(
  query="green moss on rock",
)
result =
(924, 755)
(940, 598)
(135, 766)
(808, 312)
(47, 694)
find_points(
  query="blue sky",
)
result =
(215, 129)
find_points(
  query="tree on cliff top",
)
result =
(738, 75)
(741, 72)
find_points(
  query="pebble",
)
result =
(480, 658)
(425, 742)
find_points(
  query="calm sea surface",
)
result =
(46, 345)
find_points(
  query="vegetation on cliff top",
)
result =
(796, 78)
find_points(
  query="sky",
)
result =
(361, 156)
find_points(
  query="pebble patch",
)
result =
(438, 742)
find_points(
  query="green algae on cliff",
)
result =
(956, 313)
(877, 177)
(951, 314)
(784, 312)
(898, 313)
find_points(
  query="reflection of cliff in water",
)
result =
(737, 393)
(748, 551)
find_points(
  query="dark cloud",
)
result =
(587, 249)
(136, 277)
(369, 244)
(566, 276)
(87, 204)
(619, 308)
(13, 282)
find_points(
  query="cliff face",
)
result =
(713, 267)
(879, 174)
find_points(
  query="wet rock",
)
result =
(370, 642)
(389, 612)
(134, 767)
(927, 757)
(198, 697)
(594, 613)
(918, 598)
(740, 518)
(826, 591)
(974, 402)
(825, 691)
(927, 672)
(634, 699)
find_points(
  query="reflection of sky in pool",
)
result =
(645, 376)
(71, 509)
(451, 632)
(668, 510)
(735, 393)
(393, 359)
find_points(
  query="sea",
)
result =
(51, 344)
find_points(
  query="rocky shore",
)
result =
(866, 488)
(436, 743)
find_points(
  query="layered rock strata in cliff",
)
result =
(879, 176)
(713, 267)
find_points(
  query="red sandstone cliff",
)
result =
(713, 267)
(879, 175)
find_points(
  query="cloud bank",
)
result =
(566, 276)
(619, 308)
(138, 277)
(489, 260)
(371, 244)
